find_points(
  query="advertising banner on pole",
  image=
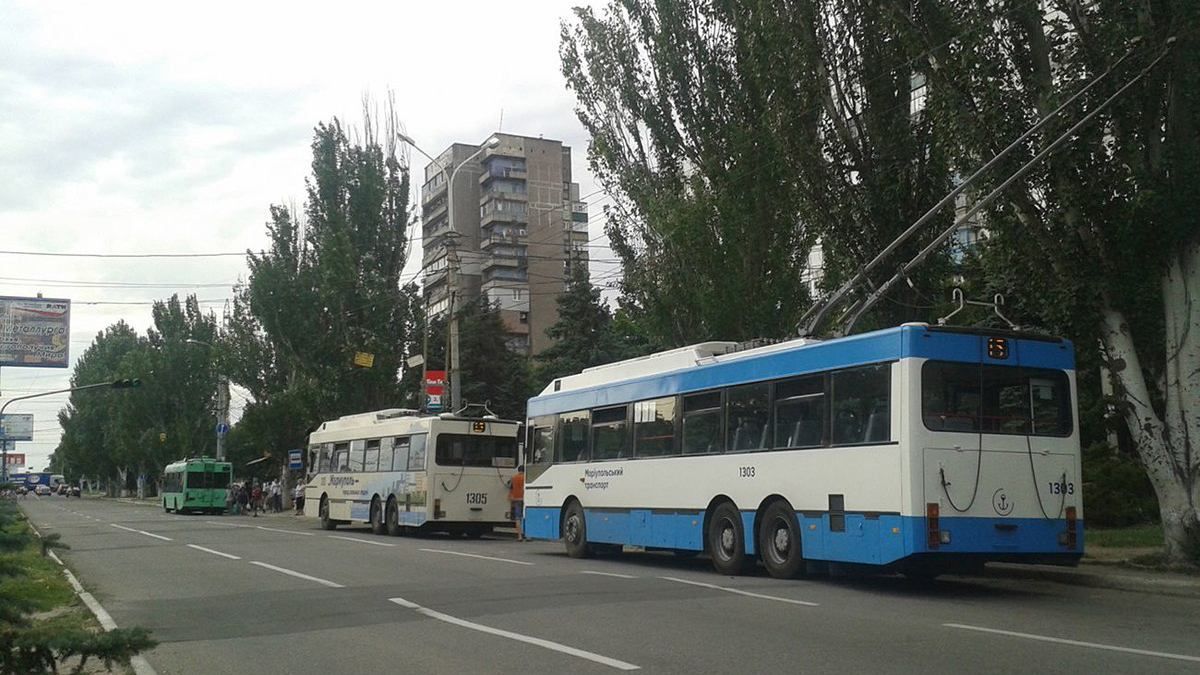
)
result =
(16, 427)
(35, 332)
(435, 389)
(15, 459)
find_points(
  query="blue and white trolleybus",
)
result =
(919, 449)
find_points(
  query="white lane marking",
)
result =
(275, 529)
(148, 534)
(609, 574)
(741, 592)
(1076, 643)
(209, 550)
(547, 644)
(473, 555)
(296, 574)
(361, 541)
(213, 522)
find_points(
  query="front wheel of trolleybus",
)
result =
(323, 512)
(574, 532)
(779, 541)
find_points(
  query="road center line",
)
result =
(209, 550)
(275, 529)
(298, 575)
(609, 574)
(473, 555)
(214, 522)
(547, 644)
(1076, 643)
(148, 534)
(741, 592)
(361, 541)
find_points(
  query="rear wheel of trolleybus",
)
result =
(574, 532)
(323, 512)
(391, 518)
(779, 543)
(727, 540)
(377, 524)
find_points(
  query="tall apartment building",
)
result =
(518, 220)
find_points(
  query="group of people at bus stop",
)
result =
(253, 497)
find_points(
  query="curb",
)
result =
(1081, 576)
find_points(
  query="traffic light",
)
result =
(126, 383)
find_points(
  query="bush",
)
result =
(1116, 491)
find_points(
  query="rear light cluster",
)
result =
(933, 537)
(1070, 538)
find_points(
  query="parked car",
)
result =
(42, 491)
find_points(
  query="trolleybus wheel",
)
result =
(726, 540)
(326, 523)
(377, 525)
(574, 532)
(779, 541)
(391, 519)
(476, 531)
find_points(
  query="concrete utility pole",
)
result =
(453, 361)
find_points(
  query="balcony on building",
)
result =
(492, 171)
(495, 210)
(434, 188)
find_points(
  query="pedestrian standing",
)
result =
(276, 497)
(516, 495)
(243, 499)
(231, 500)
(256, 496)
(298, 497)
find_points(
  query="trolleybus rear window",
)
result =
(995, 399)
(465, 450)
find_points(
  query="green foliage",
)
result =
(491, 372)
(328, 287)
(1116, 490)
(30, 583)
(1136, 536)
(108, 432)
(733, 134)
(585, 333)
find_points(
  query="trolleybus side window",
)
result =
(654, 427)
(325, 461)
(341, 457)
(800, 412)
(749, 417)
(356, 455)
(385, 455)
(573, 431)
(541, 451)
(371, 460)
(610, 437)
(861, 405)
(1050, 400)
(173, 482)
(416, 452)
(702, 423)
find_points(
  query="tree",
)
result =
(1100, 242)
(733, 134)
(327, 288)
(585, 334)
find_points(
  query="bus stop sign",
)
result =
(295, 460)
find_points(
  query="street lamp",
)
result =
(222, 403)
(453, 360)
(115, 384)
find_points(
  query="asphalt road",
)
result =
(229, 594)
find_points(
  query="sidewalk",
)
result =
(1097, 575)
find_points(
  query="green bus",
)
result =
(198, 485)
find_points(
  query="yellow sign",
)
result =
(364, 359)
(479, 427)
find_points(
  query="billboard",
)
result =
(435, 389)
(16, 427)
(15, 459)
(34, 332)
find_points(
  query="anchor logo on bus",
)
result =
(1001, 502)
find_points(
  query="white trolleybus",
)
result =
(400, 471)
(917, 449)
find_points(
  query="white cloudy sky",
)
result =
(165, 127)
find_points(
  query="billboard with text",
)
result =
(18, 427)
(35, 332)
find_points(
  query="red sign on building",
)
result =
(16, 459)
(435, 389)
